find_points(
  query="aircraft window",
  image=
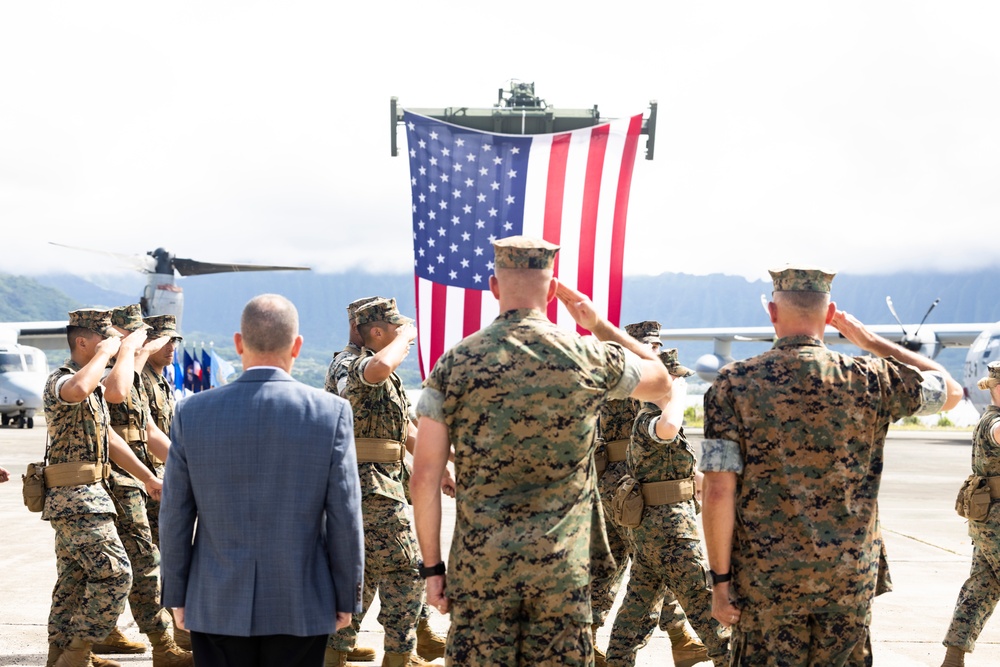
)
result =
(36, 363)
(10, 362)
(991, 347)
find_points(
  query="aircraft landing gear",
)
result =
(4, 420)
(31, 422)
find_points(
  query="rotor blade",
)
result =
(933, 306)
(137, 262)
(192, 267)
(888, 302)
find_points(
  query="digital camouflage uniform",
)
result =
(804, 428)
(93, 571)
(668, 553)
(129, 419)
(520, 400)
(161, 410)
(336, 374)
(382, 411)
(614, 423)
(981, 591)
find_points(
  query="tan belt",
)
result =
(994, 483)
(667, 493)
(130, 434)
(617, 449)
(378, 450)
(75, 473)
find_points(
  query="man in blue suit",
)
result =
(267, 468)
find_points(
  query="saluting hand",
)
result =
(109, 346)
(154, 345)
(579, 306)
(134, 340)
(851, 327)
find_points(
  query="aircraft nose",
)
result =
(26, 387)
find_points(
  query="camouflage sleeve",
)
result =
(651, 429)
(631, 374)
(358, 370)
(431, 404)
(912, 391)
(57, 389)
(721, 455)
(933, 392)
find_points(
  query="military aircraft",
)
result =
(982, 339)
(23, 365)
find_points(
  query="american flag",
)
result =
(470, 188)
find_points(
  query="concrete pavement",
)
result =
(929, 553)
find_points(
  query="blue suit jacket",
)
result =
(267, 467)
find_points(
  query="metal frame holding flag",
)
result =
(471, 187)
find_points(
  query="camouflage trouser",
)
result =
(391, 569)
(133, 529)
(981, 591)
(153, 512)
(812, 640)
(92, 580)
(604, 590)
(545, 630)
(664, 561)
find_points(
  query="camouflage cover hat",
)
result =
(801, 279)
(992, 378)
(163, 325)
(524, 252)
(352, 307)
(644, 332)
(128, 317)
(669, 359)
(98, 321)
(380, 310)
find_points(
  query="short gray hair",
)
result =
(804, 302)
(269, 323)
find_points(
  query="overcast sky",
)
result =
(862, 136)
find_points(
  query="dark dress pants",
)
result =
(264, 651)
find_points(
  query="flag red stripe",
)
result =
(554, 192)
(439, 305)
(588, 217)
(472, 315)
(621, 213)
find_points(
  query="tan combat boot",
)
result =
(687, 650)
(600, 657)
(166, 652)
(954, 657)
(96, 661)
(334, 658)
(117, 642)
(77, 654)
(362, 654)
(403, 660)
(430, 645)
(182, 638)
(54, 653)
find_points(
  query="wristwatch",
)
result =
(432, 571)
(720, 578)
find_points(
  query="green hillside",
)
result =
(23, 299)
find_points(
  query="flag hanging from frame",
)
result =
(471, 187)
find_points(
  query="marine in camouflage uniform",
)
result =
(381, 414)
(981, 591)
(614, 431)
(518, 401)
(93, 571)
(130, 418)
(793, 448)
(667, 543)
(160, 396)
(336, 374)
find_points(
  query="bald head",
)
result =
(270, 324)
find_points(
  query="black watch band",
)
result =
(720, 578)
(432, 571)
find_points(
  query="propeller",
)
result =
(163, 261)
(912, 341)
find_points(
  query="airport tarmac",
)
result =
(929, 553)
